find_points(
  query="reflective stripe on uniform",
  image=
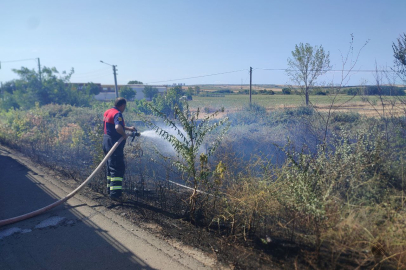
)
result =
(116, 187)
(108, 180)
(116, 179)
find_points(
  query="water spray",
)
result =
(149, 134)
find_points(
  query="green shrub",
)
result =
(373, 90)
(346, 117)
(224, 91)
(191, 133)
(300, 111)
(286, 91)
(266, 92)
(320, 93)
(249, 115)
(256, 109)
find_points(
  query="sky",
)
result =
(188, 41)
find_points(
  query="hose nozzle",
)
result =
(134, 134)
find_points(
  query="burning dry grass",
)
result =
(337, 202)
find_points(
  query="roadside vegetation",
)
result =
(275, 181)
(294, 186)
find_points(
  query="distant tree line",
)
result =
(247, 92)
(374, 90)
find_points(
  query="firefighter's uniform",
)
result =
(115, 163)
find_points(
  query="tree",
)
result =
(28, 89)
(286, 91)
(127, 92)
(307, 64)
(399, 52)
(134, 82)
(8, 87)
(54, 87)
(150, 92)
(189, 93)
(167, 103)
(197, 90)
(178, 90)
(92, 89)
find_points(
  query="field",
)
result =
(237, 87)
(344, 103)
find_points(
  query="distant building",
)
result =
(109, 93)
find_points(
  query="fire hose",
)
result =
(70, 195)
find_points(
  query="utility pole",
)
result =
(115, 76)
(39, 71)
(250, 84)
(115, 79)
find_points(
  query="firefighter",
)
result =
(114, 129)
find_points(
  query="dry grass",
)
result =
(364, 108)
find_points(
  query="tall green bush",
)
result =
(190, 135)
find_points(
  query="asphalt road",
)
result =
(80, 234)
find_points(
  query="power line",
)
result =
(333, 70)
(90, 72)
(274, 69)
(89, 77)
(12, 61)
(171, 80)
